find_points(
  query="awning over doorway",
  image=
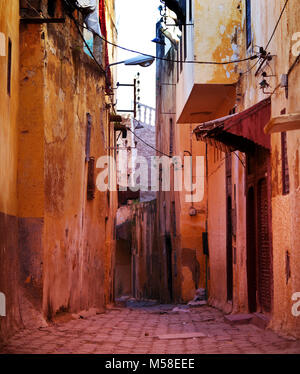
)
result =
(240, 131)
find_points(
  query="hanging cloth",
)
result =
(89, 9)
(102, 17)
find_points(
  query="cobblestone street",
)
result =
(135, 330)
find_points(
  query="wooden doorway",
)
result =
(259, 241)
(251, 251)
(264, 250)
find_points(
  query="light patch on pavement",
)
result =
(187, 335)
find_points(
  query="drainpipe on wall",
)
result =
(206, 218)
(192, 211)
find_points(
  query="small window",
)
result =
(88, 136)
(91, 179)
(285, 165)
(287, 267)
(171, 136)
(9, 52)
(190, 10)
(248, 23)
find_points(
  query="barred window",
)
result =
(91, 179)
(9, 62)
(285, 165)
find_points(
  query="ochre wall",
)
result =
(77, 234)
(217, 26)
(9, 264)
(213, 36)
(217, 227)
(193, 261)
(240, 294)
(31, 160)
(189, 266)
(58, 244)
(285, 208)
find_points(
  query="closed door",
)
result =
(264, 251)
(251, 251)
(229, 251)
(259, 240)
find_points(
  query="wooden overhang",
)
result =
(240, 131)
(285, 122)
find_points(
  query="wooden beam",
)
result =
(36, 20)
(286, 122)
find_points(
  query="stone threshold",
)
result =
(258, 319)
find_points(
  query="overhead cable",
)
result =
(170, 60)
(275, 28)
(148, 145)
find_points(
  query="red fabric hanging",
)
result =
(104, 34)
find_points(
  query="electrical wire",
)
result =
(181, 61)
(175, 61)
(251, 68)
(169, 60)
(293, 65)
(148, 145)
(270, 39)
(275, 28)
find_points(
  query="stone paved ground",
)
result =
(133, 330)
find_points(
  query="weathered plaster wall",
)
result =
(217, 25)
(73, 226)
(217, 228)
(168, 202)
(189, 266)
(194, 267)
(68, 240)
(240, 295)
(214, 36)
(285, 212)
(30, 161)
(9, 262)
(286, 235)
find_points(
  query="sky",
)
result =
(136, 25)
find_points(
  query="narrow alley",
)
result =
(149, 177)
(150, 328)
